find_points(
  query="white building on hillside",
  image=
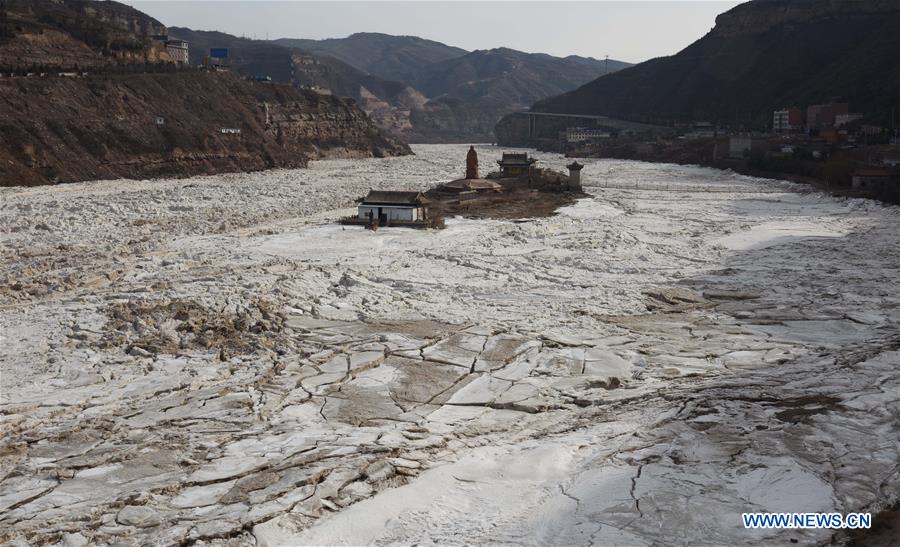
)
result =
(178, 51)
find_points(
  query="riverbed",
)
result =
(216, 359)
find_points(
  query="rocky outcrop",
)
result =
(145, 125)
(761, 15)
(76, 33)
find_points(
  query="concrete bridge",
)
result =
(605, 121)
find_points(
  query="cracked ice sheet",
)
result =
(794, 378)
(637, 477)
(491, 492)
(777, 233)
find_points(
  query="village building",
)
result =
(871, 178)
(515, 165)
(891, 161)
(820, 116)
(178, 51)
(841, 120)
(740, 146)
(386, 207)
(787, 120)
(584, 134)
(701, 130)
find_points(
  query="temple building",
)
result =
(515, 165)
(397, 207)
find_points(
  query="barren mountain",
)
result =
(761, 55)
(505, 75)
(390, 57)
(468, 91)
(130, 125)
(419, 89)
(483, 86)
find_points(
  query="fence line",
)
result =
(687, 188)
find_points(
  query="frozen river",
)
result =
(214, 360)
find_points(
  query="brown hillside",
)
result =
(58, 129)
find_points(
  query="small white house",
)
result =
(739, 147)
(387, 207)
(891, 161)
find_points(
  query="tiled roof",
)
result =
(510, 158)
(473, 184)
(871, 172)
(385, 197)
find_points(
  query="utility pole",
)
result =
(894, 121)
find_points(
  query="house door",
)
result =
(382, 217)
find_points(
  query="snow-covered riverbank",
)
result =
(213, 358)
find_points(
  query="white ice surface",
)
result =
(494, 382)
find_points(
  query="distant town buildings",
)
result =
(819, 116)
(740, 146)
(870, 130)
(787, 120)
(702, 130)
(583, 134)
(891, 161)
(871, 178)
(832, 120)
(178, 51)
(841, 120)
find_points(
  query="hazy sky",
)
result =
(626, 30)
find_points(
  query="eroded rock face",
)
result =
(73, 129)
(212, 361)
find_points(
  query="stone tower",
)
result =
(472, 163)
(575, 175)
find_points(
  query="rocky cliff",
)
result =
(145, 125)
(76, 33)
(124, 110)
